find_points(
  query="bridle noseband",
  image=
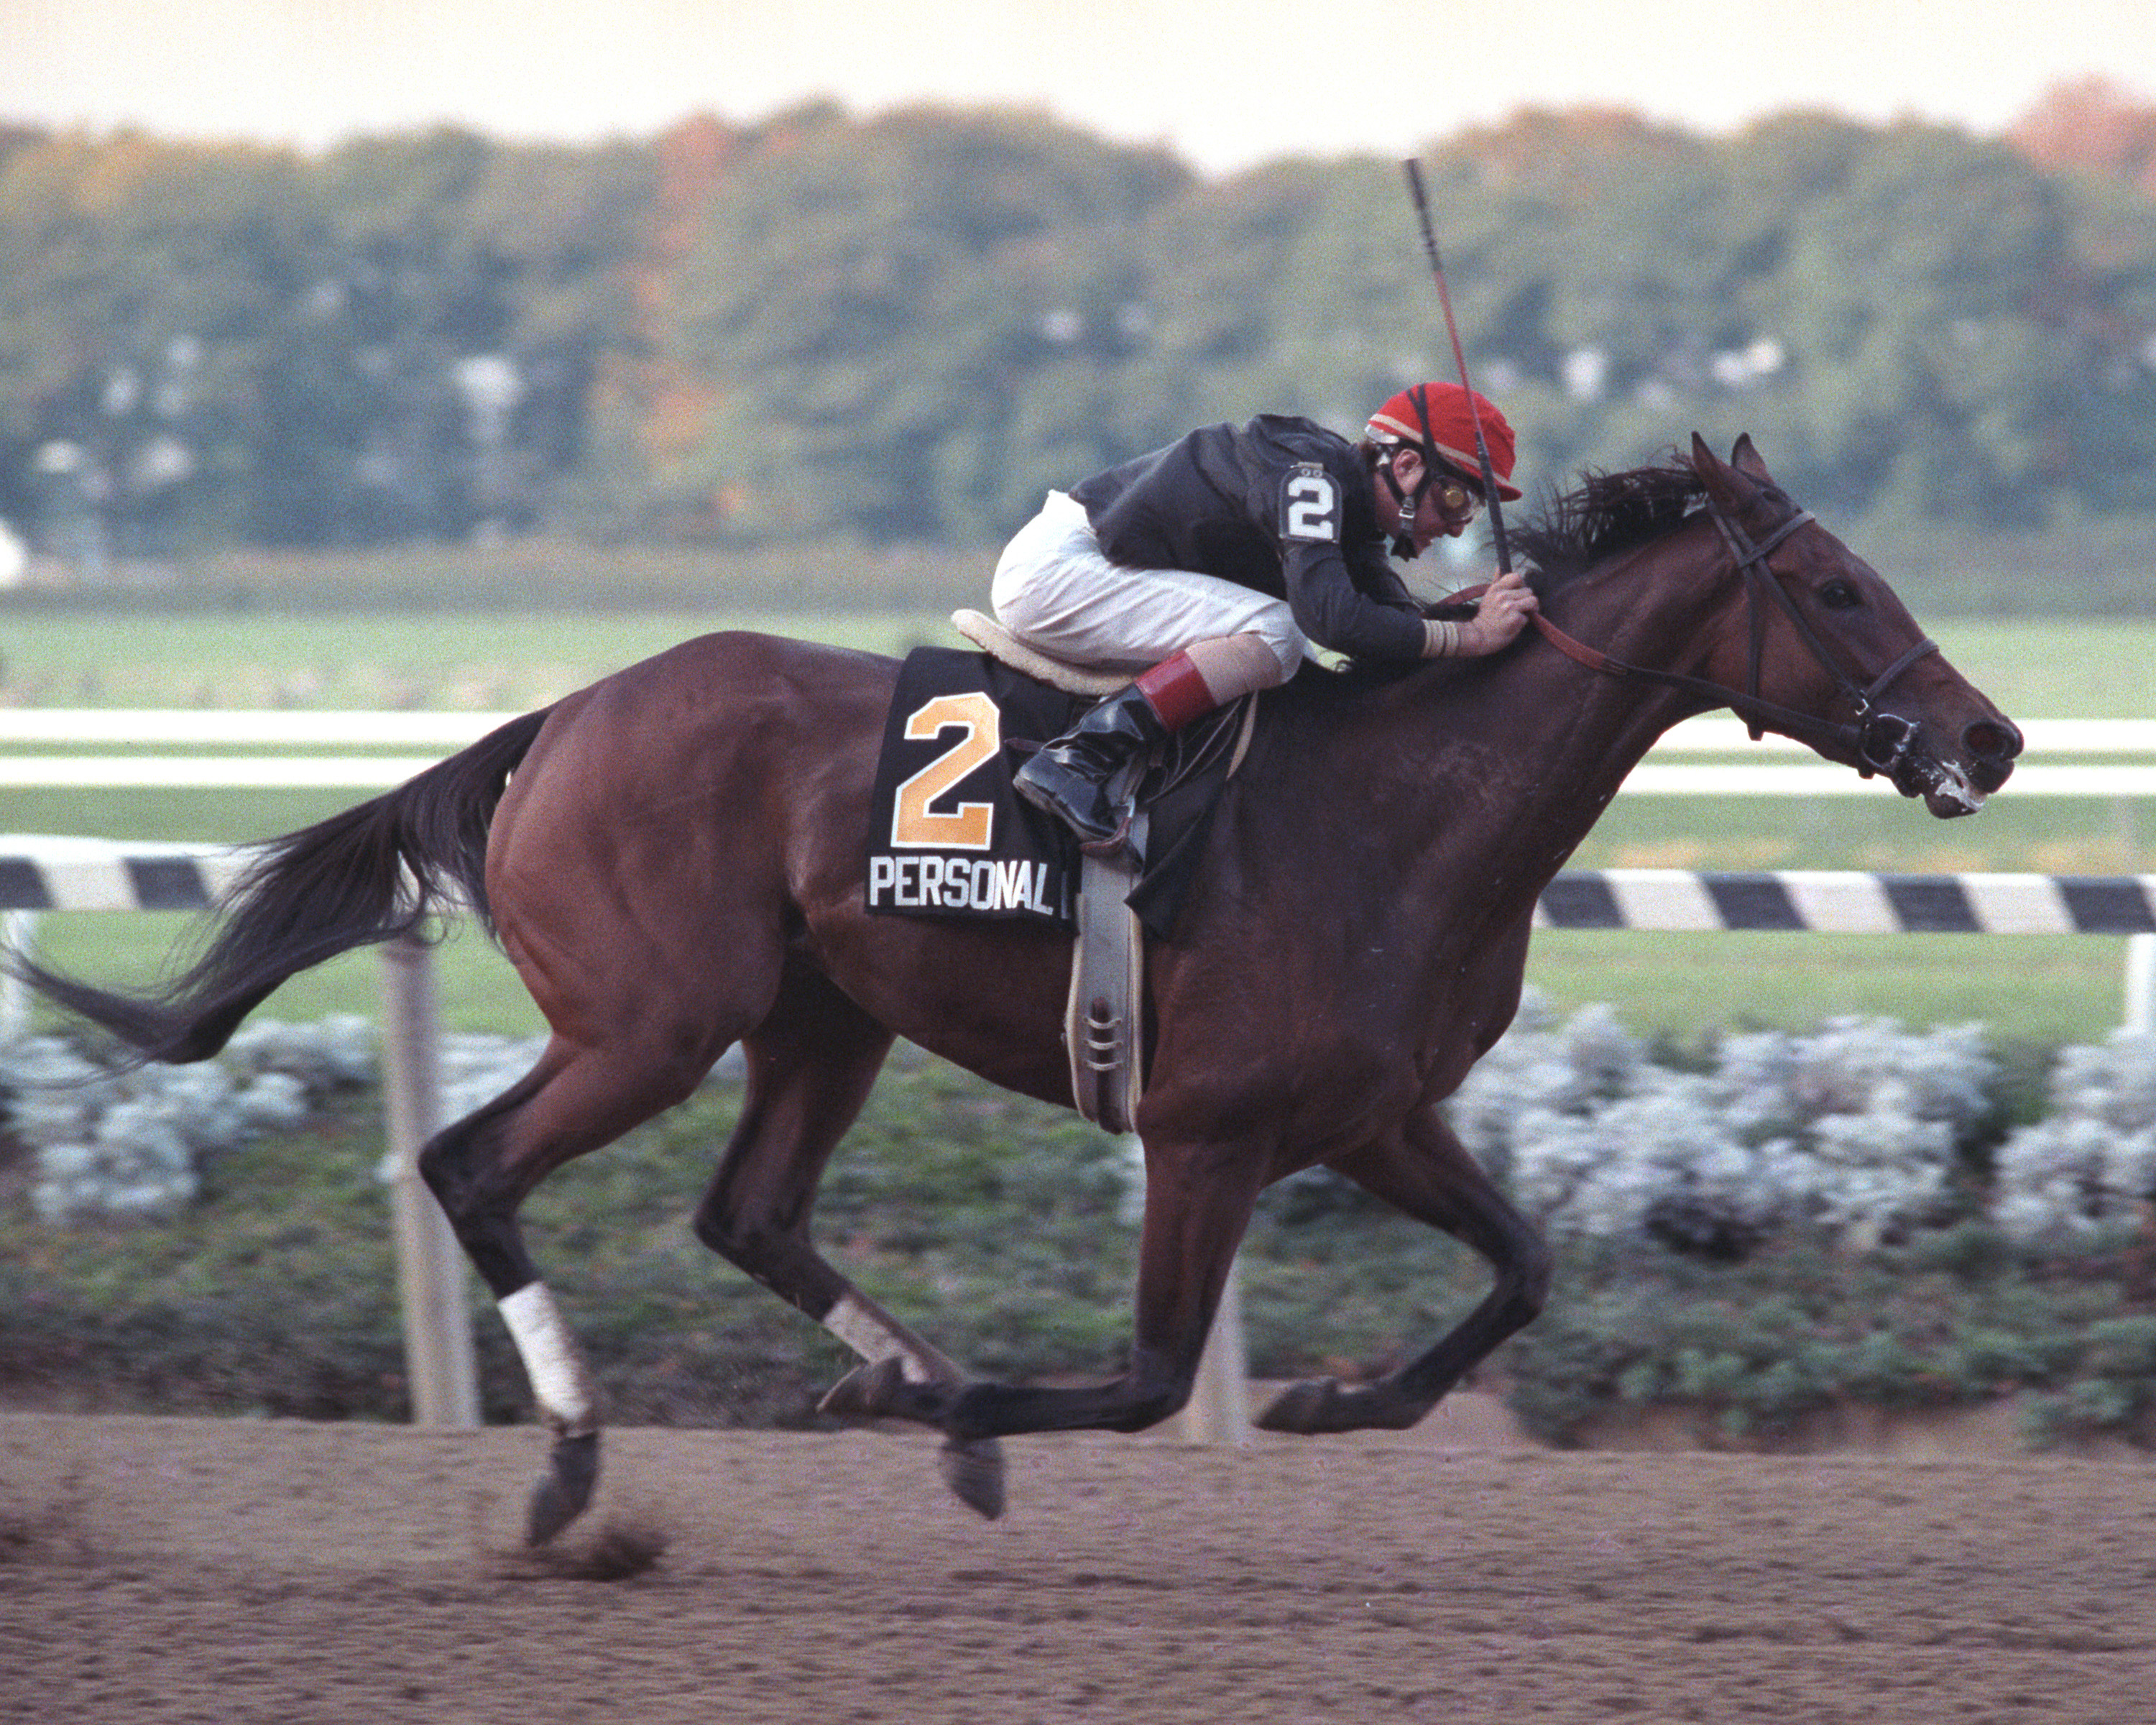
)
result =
(1881, 741)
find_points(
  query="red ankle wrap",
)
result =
(1176, 691)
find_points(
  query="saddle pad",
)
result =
(947, 836)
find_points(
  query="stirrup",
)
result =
(1121, 845)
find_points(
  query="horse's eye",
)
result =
(1838, 595)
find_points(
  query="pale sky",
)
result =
(1225, 85)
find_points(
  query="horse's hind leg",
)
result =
(481, 1169)
(811, 1064)
(1425, 1170)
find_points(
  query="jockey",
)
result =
(1211, 566)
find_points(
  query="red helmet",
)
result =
(1437, 417)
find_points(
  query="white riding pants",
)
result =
(1055, 591)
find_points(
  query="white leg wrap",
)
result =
(560, 1382)
(861, 1330)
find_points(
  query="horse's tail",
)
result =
(373, 873)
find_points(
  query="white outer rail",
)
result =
(1714, 733)
(375, 772)
(1664, 773)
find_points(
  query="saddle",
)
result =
(1103, 1018)
(993, 639)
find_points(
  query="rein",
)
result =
(1879, 740)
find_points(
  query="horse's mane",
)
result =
(1606, 515)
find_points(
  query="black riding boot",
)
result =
(1069, 777)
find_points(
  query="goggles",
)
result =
(1460, 498)
(1455, 497)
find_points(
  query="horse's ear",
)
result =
(1724, 483)
(1746, 460)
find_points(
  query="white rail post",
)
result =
(430, 1264)
(17, 928)
(1219, 1407)
(2141, 982)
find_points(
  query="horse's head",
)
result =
(1829, 646)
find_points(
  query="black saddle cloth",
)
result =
(949, 836)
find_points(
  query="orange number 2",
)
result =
(913, 824)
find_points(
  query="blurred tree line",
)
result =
(905, 329)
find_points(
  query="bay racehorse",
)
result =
(673, 858)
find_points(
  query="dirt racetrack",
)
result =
(176, 1570)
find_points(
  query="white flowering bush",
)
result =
(476, 1069)
(1855, 1126)
(2090, 1164)
(1858, 1127)
(1609, 1170)
(340, 1052)
(132, 1144)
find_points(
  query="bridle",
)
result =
(1881, 741)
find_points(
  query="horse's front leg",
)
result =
(1199, 1200)
(1425, 1170)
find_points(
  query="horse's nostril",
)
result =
(1998, 742)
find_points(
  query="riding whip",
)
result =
(1460, 359)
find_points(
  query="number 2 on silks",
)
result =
(914, 826)
(1310, 505)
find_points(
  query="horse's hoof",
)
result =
(973, 1470)
(1325, 1405)
(1307, 1407)
(566, 1487)
(868, 1392)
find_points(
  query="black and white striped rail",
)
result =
(41, 872)
(38, 873)
(1842, 902)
